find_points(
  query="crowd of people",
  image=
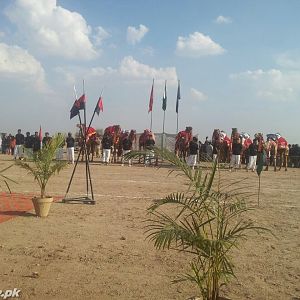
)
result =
(13, 144)
(208, 151)
(126, 145)
(20, 145)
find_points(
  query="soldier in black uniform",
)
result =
(36, 143)
(70, 148)
(126, 147)
(28, 143)
(46, 139)
(107, 143)
(193, 149)
(20, 139)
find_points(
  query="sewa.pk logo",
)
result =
(10, 293)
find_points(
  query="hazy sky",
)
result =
(238, 63)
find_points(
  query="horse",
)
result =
(183, 139)
(115, 133)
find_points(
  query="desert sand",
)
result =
(83, 251)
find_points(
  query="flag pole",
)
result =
(177, 103)
(164, 107)
(151, 104)
(84, 109)
(163, 133)
(164, 122)
(40, 137)
(83, 151)
(85, 147)
(80, 151)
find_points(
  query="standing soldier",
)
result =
(193, 149)
(126, 147)
(36, 143)
(20, 139)
(106, 148)
(252, 155)
(236, 154)
(28, 143)
(70, 148)
(46, 139)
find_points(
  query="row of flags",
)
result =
(164, 100)
(79, 104)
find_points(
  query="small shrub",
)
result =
(207, 223)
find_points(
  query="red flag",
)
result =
(99, 106)
(151, 99)
(40, 134)
(78, 105)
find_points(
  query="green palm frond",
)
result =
(207, 222)
(6, 179)
(42, 165)
(190, 203)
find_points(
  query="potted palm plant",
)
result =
(42, 167)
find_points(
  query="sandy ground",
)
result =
(100, 252)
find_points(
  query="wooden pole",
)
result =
(258, 190)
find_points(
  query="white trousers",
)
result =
(106, 155)
(192, 160)
(235, 161)
(19, 151)
(252, 163)
(70, 154)
(60, 154)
